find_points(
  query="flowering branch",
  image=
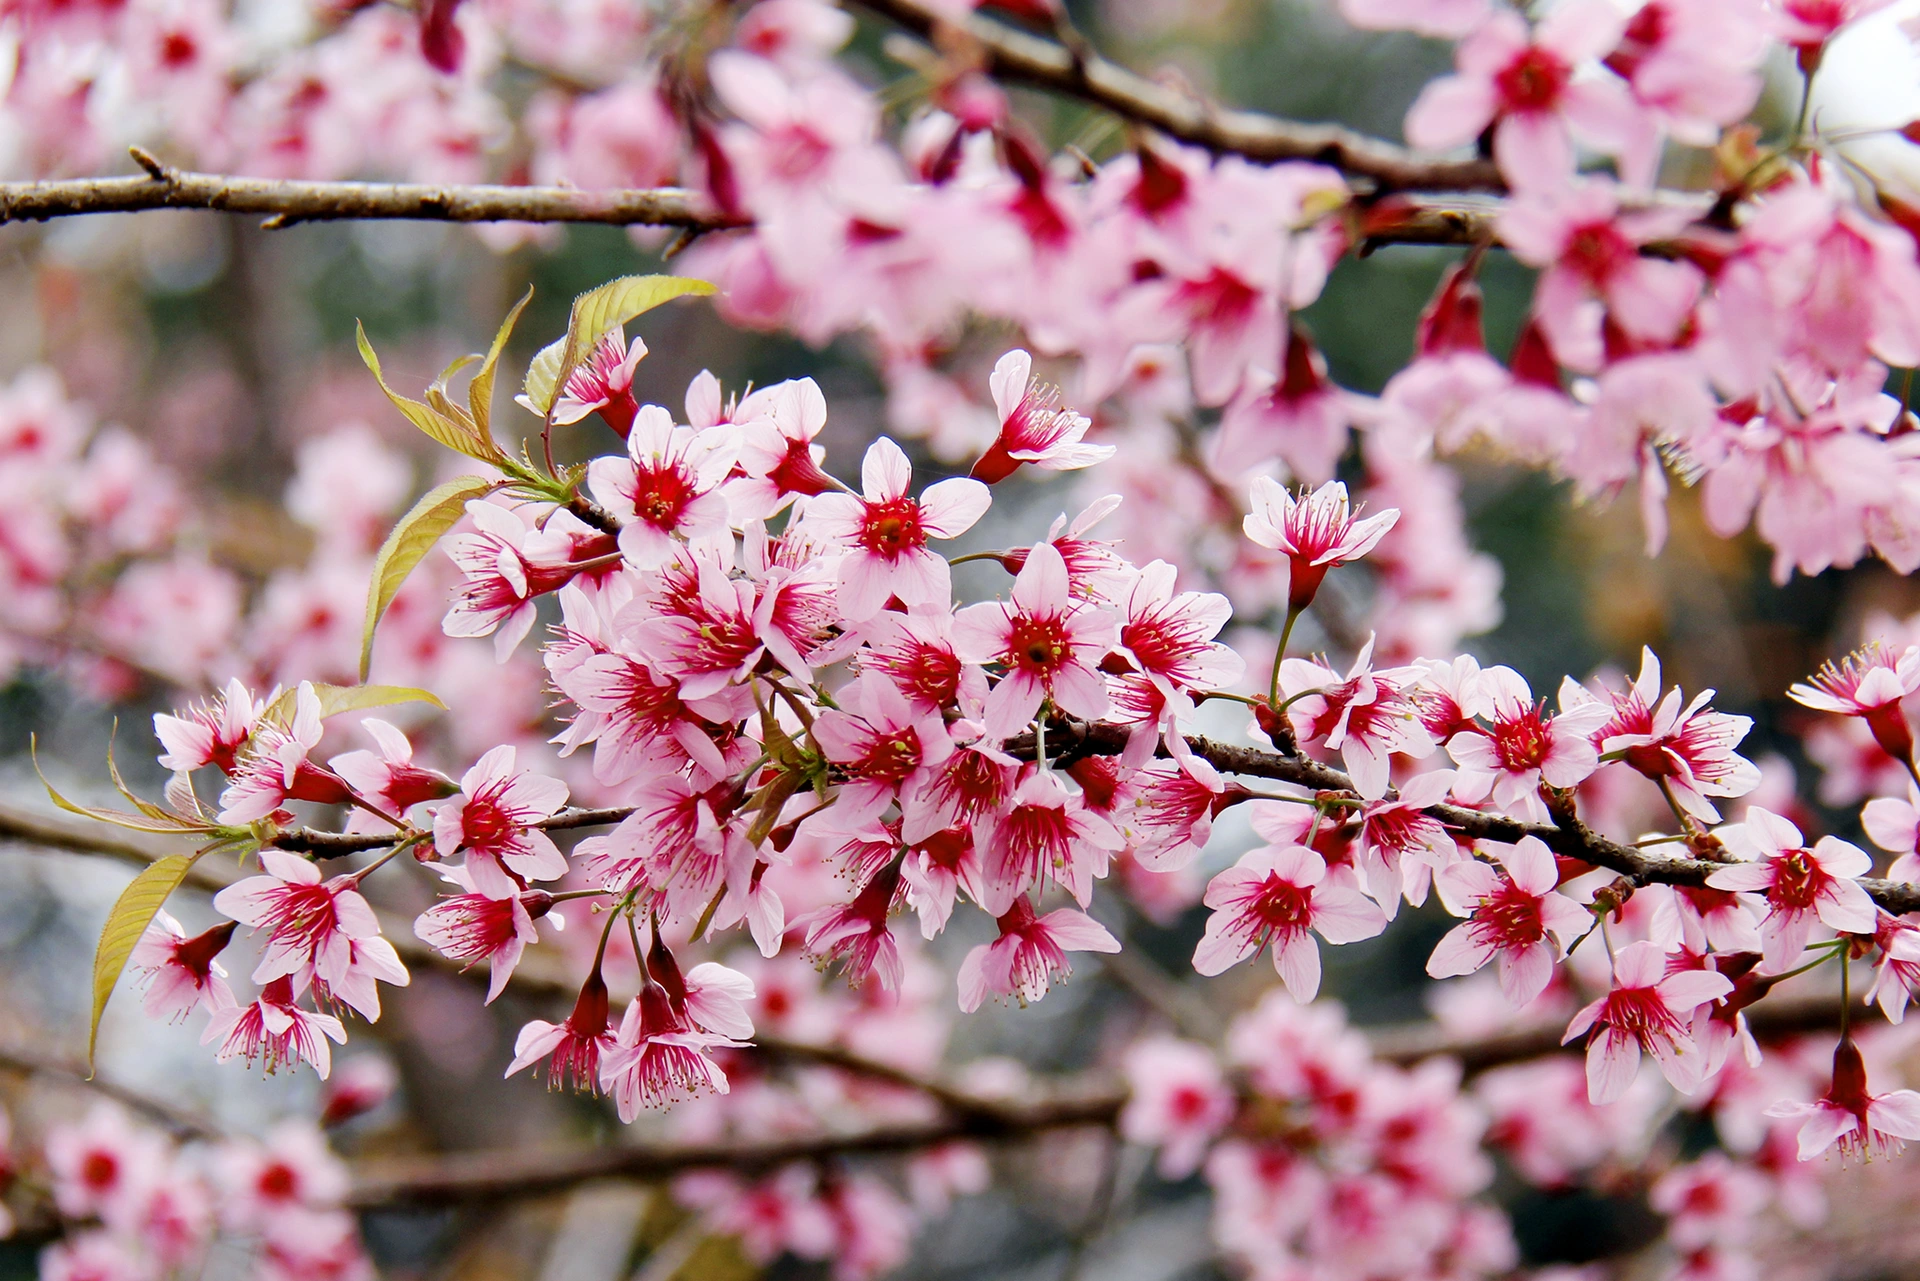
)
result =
(1019, 56)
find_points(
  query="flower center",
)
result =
(892, 527)
(1038, 645)
(660, 495)
(1533, 81)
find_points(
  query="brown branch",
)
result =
(285, 202)
(1016, 55)
(483, 1176)
(182, 1123)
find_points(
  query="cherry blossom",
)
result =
(1647, 1010)
(472, 927)
(275, 1031)
(1869, 683)
(1179, 1102)
(1523, 748)
(1029, 954)
(1275, 896)
(886, 532)
(1366, 716)
(1687, 749)
(1802, 886)
(667, 486)
(1050, 643)
(1850, 1115)
(1033, 427)
(1514, 916)
(491, 820)
(213, 733)
(182, 974)
(1314, 531)
(657, 1058)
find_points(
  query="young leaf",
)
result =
(595, 314)
(448, 430)
(335, 699)
(150, 818)
(480, 390)
(437, 512)
(131, 915)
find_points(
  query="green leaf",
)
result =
(455, 431)
(480, 390)
(131, 915)
(595, 314)
(437, 512)
(150, 818)
(335, 699)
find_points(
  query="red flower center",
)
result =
(661, 495)
(1509, 918)
(1282, 907)
(1522, 744)
(892, 527)
(1797, 880)
(485, 823)
(1597, 251)
(100, 1170)
(1533, 81)
(1038, 644)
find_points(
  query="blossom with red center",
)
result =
(1171, 817)
(1094, 569)
(1045, 832)
(1168, 636)
(778, 460)
(1647, 1010)
(1366, 715)
(1709, 1200)
(712, 639)
(291, 1171)
(574, 1048)
(1276, 895)
(714, 998)
(665, 492)
(1802, 886)
(603, 382)
(1049, 644)
(658, 1057)
(642, 723)
(882, 743)
(325, 928)
(973, 783)
(1809, 24)
(1033, 427)
(1513, 915)
(471, 927)
(673, 843)
(1849, 1114)
(1592, 269)
(101, 1166)
(856, 934)
(491, 819)
(1314, 531)
(1688, 748)
(1299, 417)
(1527, 84)
(182, 974)
(1699, 918)
(934, 871)
(389, 778)
(1523, 747)
(514, 556)
(213, 732)
(1030, 954)
(885, 532)
(1178, 1100)
(915, 651)
(1896, 976)
(275, 1030)
(1398, 843)
(274, 768)
(1869, 683)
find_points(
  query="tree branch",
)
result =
(286, 202)
(1017, 55)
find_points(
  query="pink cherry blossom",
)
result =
(1802, 886)
(491, 819)
(1897, 974)
(856, 933)
(101, 1165)
(1178, 1101)
(1894, 826)
(514, 556)
(182, 974)
(1513, 916)
(603, 381)
(1029, 954)
(1593, 269)
(1524, 748)
(274, 1030)
(212, 733)
(1869, 683)
(1297, 416)
(274, 768)
(1533, 87)
(658, 1057)
(885, 746)
(1314, 531)
(1851, 1115)
(1044, 831)
(1647, 1010)
(1275, 896)
(1033, 427)
(886, 531)
(1688, 748)
(778, 457)
(326, 929)
(390, 779)
(573, 1049)
(1366, 715)
(666, 491)
(1050, 644)
(472, 927)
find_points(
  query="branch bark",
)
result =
(1015, 55)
